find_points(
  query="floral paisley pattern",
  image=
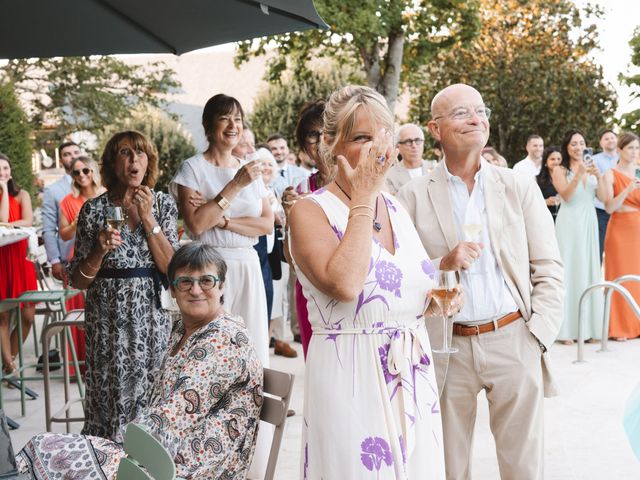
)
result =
(126, 330)
(371, 402)
(210, 443)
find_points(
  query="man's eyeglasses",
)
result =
(206, 282)
(464, 113)
(86, 171)
(411, 141)
(313, 136)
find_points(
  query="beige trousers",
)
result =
(507, 364)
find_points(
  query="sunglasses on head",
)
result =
(86, 171)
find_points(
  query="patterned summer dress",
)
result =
(371, 401)
(126, 330)
(204, 409)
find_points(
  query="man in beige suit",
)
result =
(410, 143)
(512, 278)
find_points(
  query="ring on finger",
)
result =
(381, 159)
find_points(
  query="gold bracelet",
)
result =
(85, 275)
(370, 217)
(362, 206)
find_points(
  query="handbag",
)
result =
(167, 302)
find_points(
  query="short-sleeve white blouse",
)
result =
(200, 175)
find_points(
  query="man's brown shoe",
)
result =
(284, 349)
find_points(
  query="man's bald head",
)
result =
(448, 96)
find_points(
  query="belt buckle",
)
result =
(477, 327)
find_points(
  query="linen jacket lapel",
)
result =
(438, 192)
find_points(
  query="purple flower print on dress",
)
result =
(389, 277)
(428, 269)
(339, 233)
(383, 351)
(375, 450)
(389, 204)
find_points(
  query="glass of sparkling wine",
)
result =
(472, 232)
(115, 218)
(444, 292)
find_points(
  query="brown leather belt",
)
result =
(466, 330)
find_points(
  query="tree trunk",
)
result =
(390, 84)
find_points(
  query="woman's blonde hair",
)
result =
(340, 115)
(90, 163)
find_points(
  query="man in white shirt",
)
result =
(511, 275)
(292, 174)
(410, 143)
(531, 164)
(605, 161)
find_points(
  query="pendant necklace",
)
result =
(377, 226)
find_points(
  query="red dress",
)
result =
(17, 274)
(70, 207)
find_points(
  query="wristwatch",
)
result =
(155, 230)
(222, 202)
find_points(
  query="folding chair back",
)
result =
(274, 411)
(144, 450)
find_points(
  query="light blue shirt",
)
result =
(604, 162)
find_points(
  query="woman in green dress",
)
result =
(576, 180)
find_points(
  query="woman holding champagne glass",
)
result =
(125, 239)
(366, 278)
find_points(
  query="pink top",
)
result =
(301, 301)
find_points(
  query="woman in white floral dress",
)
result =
(207, 422)
(371, 399)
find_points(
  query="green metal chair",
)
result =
(75, 318)
(147, 459)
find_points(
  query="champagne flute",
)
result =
(115, 217)
(445, 291)
(472, 232)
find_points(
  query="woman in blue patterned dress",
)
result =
(208, 422)
(371, 399)
(126, 328)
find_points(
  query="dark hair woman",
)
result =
(551, 158)
(218, 410)
(577, 231)
(17, 274)
(235, 211)
(125, 239)
(309, 132)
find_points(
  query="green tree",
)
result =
(384, 39)
(631, 121)
(531, 63)
(276, 109)
(172, 141)
(15, 141)
(70, 94)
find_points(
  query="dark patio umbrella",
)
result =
(51, 28)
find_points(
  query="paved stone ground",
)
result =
(584, 437)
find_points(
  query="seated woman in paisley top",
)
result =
(208, 422)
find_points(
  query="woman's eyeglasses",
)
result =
(86, 171)
(313, 136)
(206, 282)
